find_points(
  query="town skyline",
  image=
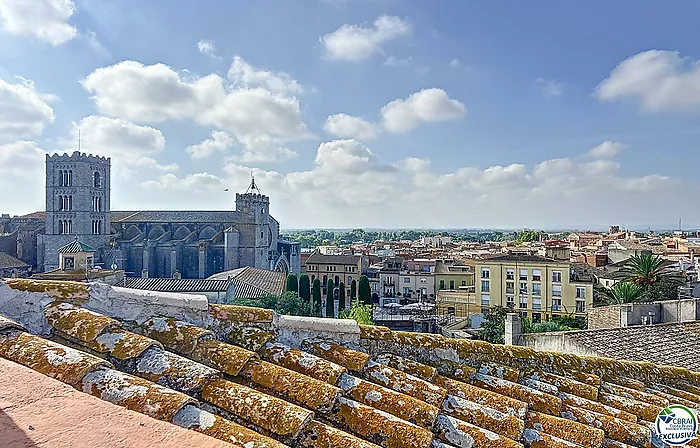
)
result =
(394, 114)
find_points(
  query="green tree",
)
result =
(292, 283)
(621, 292)
(330, 310)
(288, 303)
(493, 328)
(575, 323)
(341, 297)
(353, 290)
(364, 294)
(317, 293)
(362, 314)
(658, 280)
(304, 287)
(528, 235)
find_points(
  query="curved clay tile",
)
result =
(399, 381)
(484, 397)
(171, 370)
(265, 411)
(565, 429)
(566, 385)
(352, 360)
(499, 371)
(303, 362)
(227, 358)
(177, 335)
(320, 435)
(121, 344)
(620, 430)
(595, 406)
(536, 400)
(477, 414)
(74, 292)
(135, 393)
(77, 322)
(409, 366)
(57, 361)
(461, 433)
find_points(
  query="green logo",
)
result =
(676, 425)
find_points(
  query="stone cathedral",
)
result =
(157, 243)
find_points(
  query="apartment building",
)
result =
(538, 287)
(417, 279)
(339, 268)
(452, 276)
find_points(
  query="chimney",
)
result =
(514, 330)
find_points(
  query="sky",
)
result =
(363, 113)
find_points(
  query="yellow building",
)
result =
(453, 277)
(339, 268)
(536, 286)
(456, 303)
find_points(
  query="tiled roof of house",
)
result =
(674, 344)
(250, 377)
(251, 282)
(75, 247)
(522, 258)
(176, 216)
(175, 284)
(319, 258)
(7, 261)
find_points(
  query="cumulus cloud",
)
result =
(207, 46)
(263, 149)
(21, 170)
(132, 147)
(607, 150)
(428, 105)
(242, 74)
(349, 126)
(218, 142)
(46, 20)
(658, 80)
(194, 182)
(24, 111)
(356, 42)
(454, 63)
(549, 87)
(393, 61)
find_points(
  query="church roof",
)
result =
(257, 379)
(175, 216)
(75, 247)
(8, 261)
(251, 282)
(175, 284)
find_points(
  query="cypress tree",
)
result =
(330, 309)
(304, 287)
(364, 294)
(341, 297)
(317, 294)
(292, 283)
(353, 290)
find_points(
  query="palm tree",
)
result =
(621, 292)
(646, 270)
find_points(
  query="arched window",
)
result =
(60, 179)
(60, 202)
(337, 281)
(97, 181)
(325, 280)
(69, 183)
(70, 226)
(60, 226)
(70, 203)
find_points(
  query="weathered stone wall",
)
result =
(556, 342)
(604, 317)
(616, 316)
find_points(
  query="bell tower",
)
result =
(255, 237)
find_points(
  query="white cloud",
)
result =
(393, 61)
(207, 46)
(607, 150)
(349, 126)
(151, 93)
(242, 74)
(91, 39)
(549, 87)
(454, 63)
(355, 42)
(132, 147)
(659, 80)
(428, 105)
(24, 111)
(22, 170)
(45, 20)
(263, 149)
(194, 182)
(218, 142)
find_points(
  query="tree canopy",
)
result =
(341, 296)
(317, 293)
(330, 305)
(364, 294)
(304, 287)
(292, 283)
(353, 290)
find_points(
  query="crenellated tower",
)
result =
(255, 235)
(77, 203)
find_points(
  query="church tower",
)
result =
(255, 236)
(77, 203)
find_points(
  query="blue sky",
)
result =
(455, 113)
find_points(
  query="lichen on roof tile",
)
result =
(455, 370)
(353, 360)
(401, 382)
(387, 400)
(74, 292)
(567, 385)
(462, 434)
(379, 427)
(644, 411)
(291, 386)
(675, 392)
(375, 332)
(171, 370)
(484, 397)
(615, 428)
(191, 417)
(251, 338)
(177, 335)
(499, 422)
(303, 362)
(268, 412)
(320, 435)
(241, 314)
(227, 358)
(499, 371)
(135, 393)
(122, 344)
(409, 366)
(634, 394)
(78, 323)
(538, 401)
(595, 406)
(539, 439)
(57, 361)
(578, 433)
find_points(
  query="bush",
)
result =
(360, 313)
(292, 283)
(288, 303)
